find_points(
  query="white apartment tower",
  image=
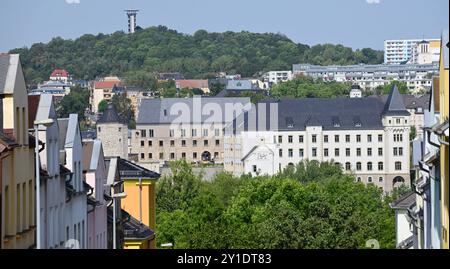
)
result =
(131, 13)
(401, 50)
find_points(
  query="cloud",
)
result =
(72, 2)
(373, 2)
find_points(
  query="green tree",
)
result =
(413, 133)
(76, 102)
(102, 105)
(124, 109)
(386, 89)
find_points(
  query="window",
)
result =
(348, 166)
(336, 152)
(194, 132)
(217, 142)
(217, 132)
(142, 143)
(397, 120)
(183, 143)
(280, 139)
(301, 153)
(380, 166)
(205, 132)
(358, 152)
(395, 151)
(161, 155)
(172, 155)
(325, 152)
(143, 133)
(369, 166)
(280, 153)
(172, 143)
(325, 138)
(380, 138)
(398, 166)
(400, 151)
(336, 138)
(300, 138)
(369, 179)
(290, 153)
(359, 179)
(142, 156)
(194, 143)
(290, 139)
(150, 156)
(150, 143)
(183, 132)
(380, 151)
(254, 168)
(205, 143)
(99, 129)
(358, 166)
(314, 138)
(347, 152)
(314, 152)
(194, 155)
(347, 138)
(151, 133)
(369, 138)
(161, 143)
(183, 155)
(358, 138)
(369, 152)
(171, 133)
(380, 179)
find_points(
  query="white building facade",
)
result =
(367, 137)
(401, 50)
(275, 77)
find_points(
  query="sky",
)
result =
(353, 23)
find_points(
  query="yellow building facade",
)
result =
(17, 159)
(444, 150)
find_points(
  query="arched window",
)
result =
(380, 166)
(380, 179)
(359, 179)
(348, 166)
(369, 166)
(370, 179)
(358, 166)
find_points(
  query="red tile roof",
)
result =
(191, 83)
(60, 73)
(107, 84)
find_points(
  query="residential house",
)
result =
(17, 169)
(201, 84)
(102, 90)
(95, 172)
(405, 232)
(60, 75)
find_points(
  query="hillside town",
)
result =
(84, 161)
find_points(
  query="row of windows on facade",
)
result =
(183, 143)
(348, 166)
(337, 138)
(172, 155)
(183, 133)
(23, 207)
(397, 151)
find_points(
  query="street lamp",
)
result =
(114, 197)
(46, 123)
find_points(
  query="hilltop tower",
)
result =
(131, 13)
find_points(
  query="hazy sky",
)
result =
(354, 23)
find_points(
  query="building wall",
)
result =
(131, 203)
(444, 153)
(114, 137)
(402, 226)
(151, 154)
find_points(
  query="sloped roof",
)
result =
(4, 66)
(394, 104)
(59, 73)
(107, 84)
(134, 229)
(87, 154)
(191, 83)
(110, 115)
(405, 202)
(129, 170)
(33, 104)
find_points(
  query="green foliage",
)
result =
(76, 102)
(159, 49)
(102, 105)
(310, 206)
(124, 109)
(307, 87)
(215, 88)
(141, 78)
(413, 133)
(401, 85)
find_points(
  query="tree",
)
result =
(102, 105)
(307, 87)
(413, 133)
(76, 102)
(124, 109)
(142, 79)
(386, 89)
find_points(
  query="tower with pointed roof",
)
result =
(113, 133)
(395, 119)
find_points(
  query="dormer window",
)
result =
(289, 122)
(336, 122)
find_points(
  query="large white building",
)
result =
(402, 50)
(368, 137)
(275, 77)
(369, 77)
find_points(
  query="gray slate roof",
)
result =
(158, 111)
(4, 66)
(405, 202)
(394, 104)
(110, 115)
